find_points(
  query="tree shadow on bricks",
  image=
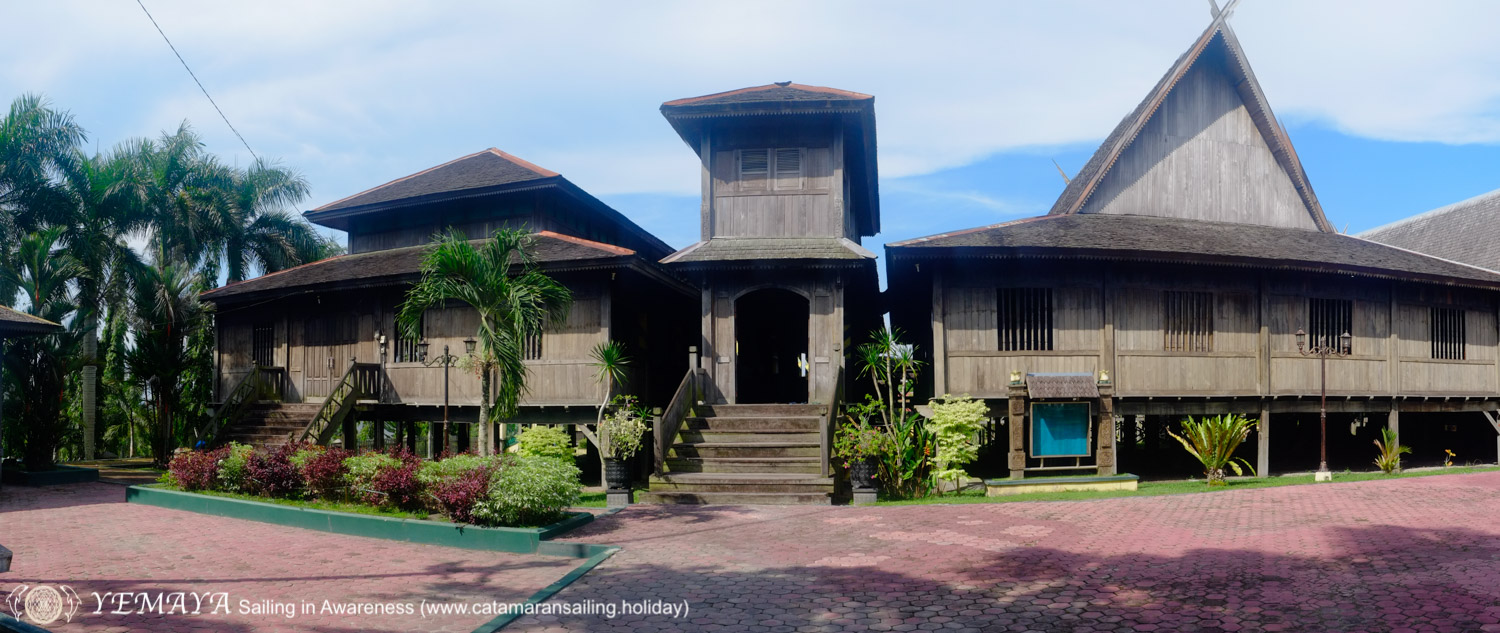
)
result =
(14, 499)
(1382, 578)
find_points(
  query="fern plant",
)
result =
(1213, 441)
(1391, 450)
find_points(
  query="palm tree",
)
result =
(99, 215)
(38, 366)
(260, 231)
(167, 314)
(515, 300)
(35, 141)
(180, 188)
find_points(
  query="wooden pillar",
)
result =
(1393, 422)
(1263, 441)
(377, 433)
(939, 338)
(1016, 458)
(351, 433)
(1106, 455)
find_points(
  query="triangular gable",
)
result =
(1203, 145)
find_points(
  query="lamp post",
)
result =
(447, 360)
(1323, 351)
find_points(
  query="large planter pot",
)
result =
(862, 473)
(616, 474)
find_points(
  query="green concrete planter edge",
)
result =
(59, 475)
(496, 539)
(1061, 480)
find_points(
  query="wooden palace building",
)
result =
(1186, 270)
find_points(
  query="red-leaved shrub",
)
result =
(272, 473)
(324, 473)
(457, 496)
(196, 470)
(397, 485)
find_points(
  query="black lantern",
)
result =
(422, 350)
(1301, 340)
(1344, 344)
(469, 345)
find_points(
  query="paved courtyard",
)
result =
(1420, 554)
(86, 536)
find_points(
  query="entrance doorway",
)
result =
(771, 347)
(328, 348)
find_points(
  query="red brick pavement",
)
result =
(1417, 554)
(86, 537)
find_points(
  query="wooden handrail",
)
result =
(360, 381)
(669, 423)
(830, 419)
(257, 384)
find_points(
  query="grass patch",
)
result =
(598, 499)
(318, 504)
(1160, 488)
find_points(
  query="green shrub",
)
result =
(545, 441)
(954, 423)
(234, 468)
(1213, 440)
(363, 468)
(529, 492)
(432, 473)
(857, 439)
(305, 454)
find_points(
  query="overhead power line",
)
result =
(195, 80)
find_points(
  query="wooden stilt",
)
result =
(1263, 442)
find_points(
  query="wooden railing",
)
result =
(834, 403)
(667, 425)
(361, 381)
(261, 383)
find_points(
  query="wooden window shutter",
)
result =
(789, 168)
(755, 168)
(1448, 333)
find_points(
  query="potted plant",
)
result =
(859, 444)
(620, 432)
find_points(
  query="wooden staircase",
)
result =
(746, 454)
(266, 423)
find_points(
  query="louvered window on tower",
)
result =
(1328, 319)
(1189, 321)
(755, 167)
(1025, 319)
(789, 168)
(1448, 335)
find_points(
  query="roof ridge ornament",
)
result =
(1222, 15)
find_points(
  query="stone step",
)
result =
(689, 436)
(807, 465)
(741, 482)
(746, 449)
(754, 423)
(737, 498)
(760, 410)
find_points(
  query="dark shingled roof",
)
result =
(400, 265)
(488, 168)
(1133, 237)
(15, 323)
(1070, 386)
(725, 249)
(1217, 34)
(773, 93)
(1467, 232)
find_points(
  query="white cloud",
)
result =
(357, 93)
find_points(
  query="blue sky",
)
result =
(1394, 107)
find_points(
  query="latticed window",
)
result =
(1447, 333)
(406, 350)
(1025, 318)
(782, 166)
(263, 345)
(1188, 320)
(1328, 319)
(754, 168)
(531, 348)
